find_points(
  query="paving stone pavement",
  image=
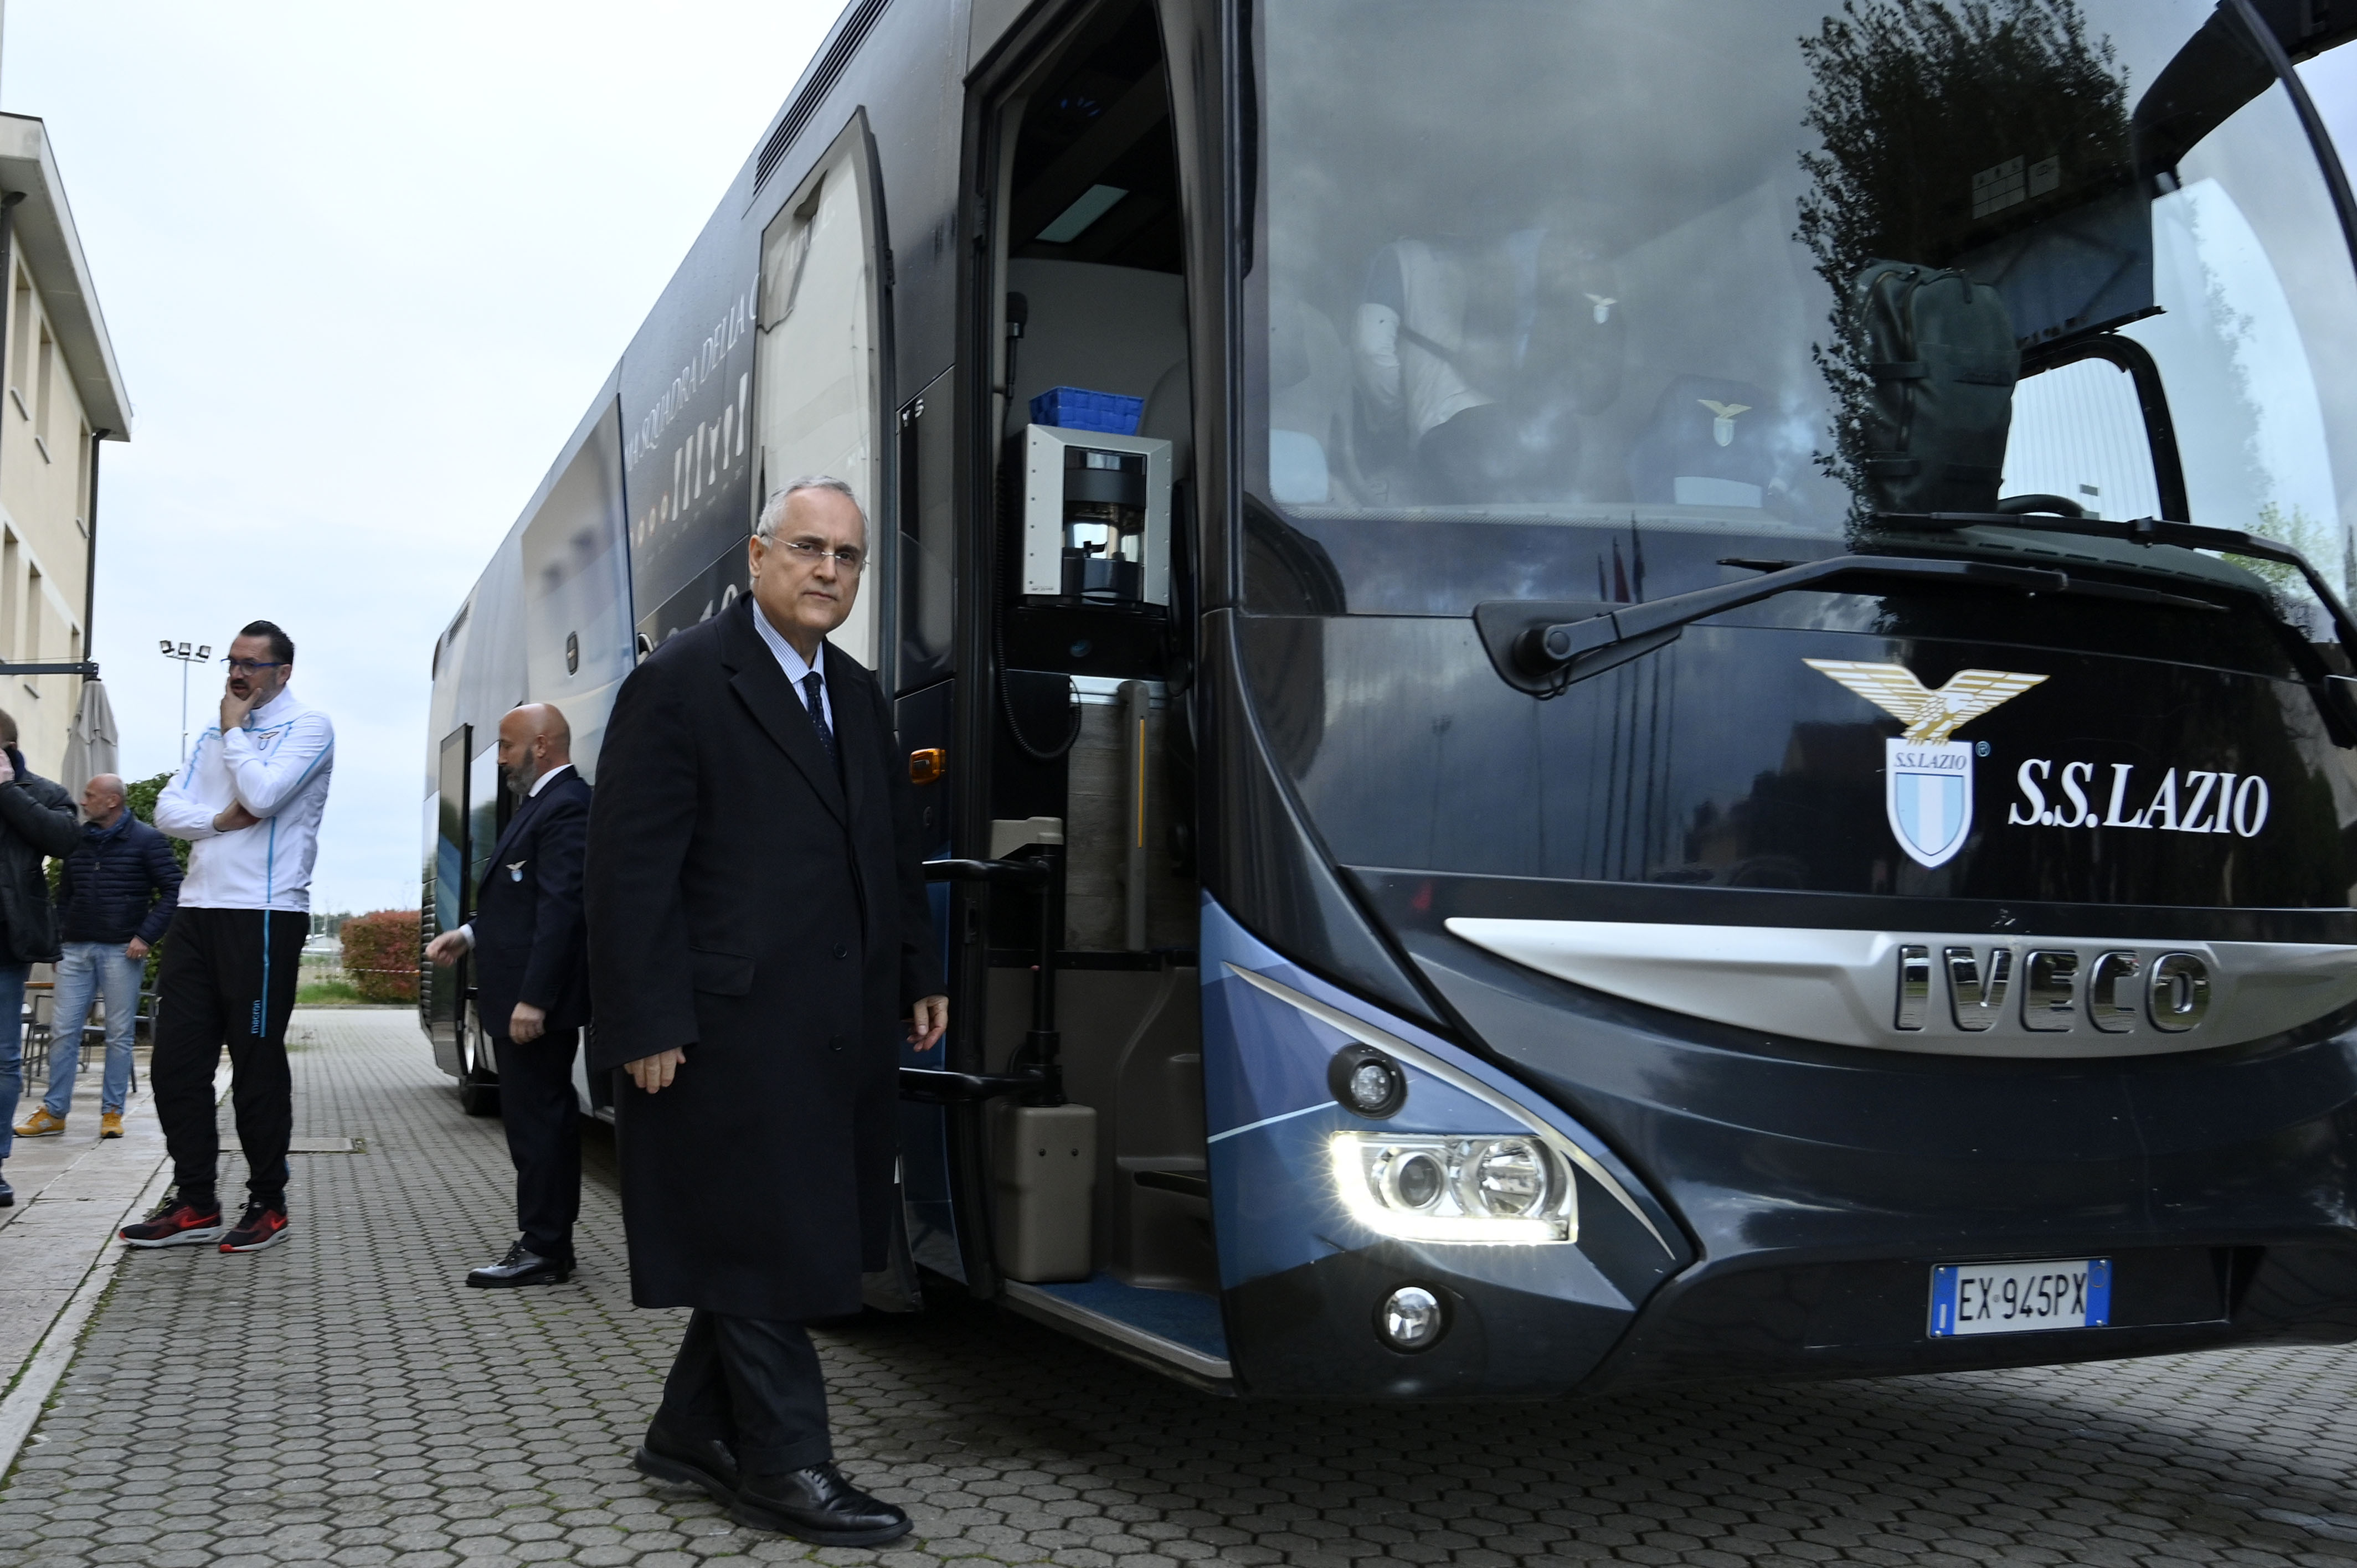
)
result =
(344, 1398)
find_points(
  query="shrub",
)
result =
(381, 955)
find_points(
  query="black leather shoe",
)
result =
(817, 1505)
(688, 1461)
(521, 1266)
(8, 1194)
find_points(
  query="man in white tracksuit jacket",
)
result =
(250, 801)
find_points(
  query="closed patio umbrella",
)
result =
(90, 743)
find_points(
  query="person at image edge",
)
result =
(37, 821)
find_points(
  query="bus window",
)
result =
(487, 813)
(928, 558)
(815, 388)
(1632, 315)
(576, 593)
(2079, 433)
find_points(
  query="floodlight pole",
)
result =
(181, 652)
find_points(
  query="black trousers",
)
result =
(755, 1385)
(221, 983)
(542, 1115)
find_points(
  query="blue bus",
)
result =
(1603, 694)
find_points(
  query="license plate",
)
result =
(2020, 1298)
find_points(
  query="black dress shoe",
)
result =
(8, 1194)
(688, 1461)
(521, 1266)
(817, 1505)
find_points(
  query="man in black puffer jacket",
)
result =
(37, 821)
(116, 896)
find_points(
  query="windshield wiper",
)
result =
(1542, 648)
(2148, 531)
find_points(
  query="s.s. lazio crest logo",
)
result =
(1927, 776)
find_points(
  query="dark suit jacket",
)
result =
(529, 931)
(751, 903)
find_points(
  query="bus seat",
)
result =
(1309, 400)
(1296, 468)
(1707, 444)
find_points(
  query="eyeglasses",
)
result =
(808, 553)
(253, 666)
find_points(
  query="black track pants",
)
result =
(210, 994)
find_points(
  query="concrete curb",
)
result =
(54, 1352)
(21, 1411)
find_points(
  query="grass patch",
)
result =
(327, 994)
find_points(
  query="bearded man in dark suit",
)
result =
(532, 988)
(757, 924)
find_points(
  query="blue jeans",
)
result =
(89, 970)
(12, 1047)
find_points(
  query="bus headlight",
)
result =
(1507, 1179)
(1425, 1188)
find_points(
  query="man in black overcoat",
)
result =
(757, 924)
(531, 987)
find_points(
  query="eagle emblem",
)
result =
(1722, 428)
(1928, 775)
(1929, 717)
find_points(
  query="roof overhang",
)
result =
(52, 250)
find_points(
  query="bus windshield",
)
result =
(1550, 285)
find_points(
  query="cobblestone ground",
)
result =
(344, 1399)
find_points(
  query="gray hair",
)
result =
(766, 529)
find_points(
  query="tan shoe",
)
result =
(109, 1123)
(41, 1125)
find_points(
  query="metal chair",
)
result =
(36, 1025)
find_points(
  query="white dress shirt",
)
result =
(277, 766)
(796, 666)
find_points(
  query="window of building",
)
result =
(11, 578)
(20, 341)
(43, 377)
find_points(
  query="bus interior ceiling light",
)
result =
(1421, 1188)
(1086, 208)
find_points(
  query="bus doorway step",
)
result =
(1176, 1332)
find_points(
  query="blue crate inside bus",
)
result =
(1077, 408)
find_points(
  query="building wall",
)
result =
(45, 472)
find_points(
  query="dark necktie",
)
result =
(815, 691)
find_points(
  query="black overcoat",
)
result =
(528, 922)
(752, 905)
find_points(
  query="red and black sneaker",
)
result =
(176, 1224)
(262, 1225)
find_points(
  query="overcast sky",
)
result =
(364, 265)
